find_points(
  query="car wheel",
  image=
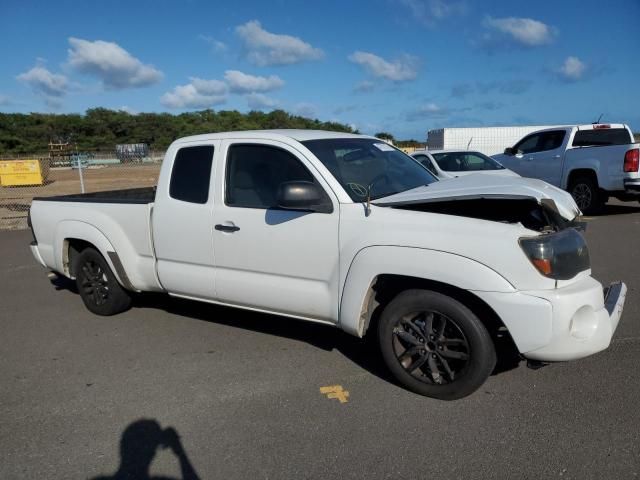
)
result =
(586, 194)
(434, 345)
(98, 286)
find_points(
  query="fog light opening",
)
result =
(584, 323)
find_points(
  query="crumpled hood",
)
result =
(485, 186)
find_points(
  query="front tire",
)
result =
(98, 286)
(434, 345)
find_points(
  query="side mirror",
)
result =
(509, 151)
(304, 196)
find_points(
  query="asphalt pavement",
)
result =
(82, 396)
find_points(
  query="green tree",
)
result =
(101, 129)
(385, 136)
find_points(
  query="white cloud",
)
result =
(432, 109)
(513, 86)
(209, 87)
(401, 70)
(307, 110)
(364, 86)
(573, 69)
(197, 94)
(44, 82)
(428, 110)
(259, 101)
(128, 110)
(266, 48)
(116, 67)
(240, 82)
(524, 31)
(345, 109)
(216, 45)
(4, 101)
(428, 12)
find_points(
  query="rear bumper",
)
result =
(563, 324)
(632, 185)
(36, 253)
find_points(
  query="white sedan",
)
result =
(456, 163)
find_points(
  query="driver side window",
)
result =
(541, 142)
(254, 173)
(528, 144)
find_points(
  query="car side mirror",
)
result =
(303, 196)
(509, 151)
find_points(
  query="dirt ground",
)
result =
(15, 201)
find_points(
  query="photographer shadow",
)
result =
(138, 446)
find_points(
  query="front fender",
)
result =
(444, 267)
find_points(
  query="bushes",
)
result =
(100, 129)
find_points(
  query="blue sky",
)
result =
(402, 66)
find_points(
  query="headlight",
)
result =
(560, 255)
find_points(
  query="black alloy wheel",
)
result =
(587, 194)
(94, 282)
(430, 347)
(434, 345)
(98, 286)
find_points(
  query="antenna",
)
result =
(469, 144)
(599, 118)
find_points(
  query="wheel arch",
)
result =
(73, 237)
(407, 265)
(386, 287)
(590, 172)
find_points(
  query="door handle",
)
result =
(226, 228)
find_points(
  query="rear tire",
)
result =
(587, 194)
(98, 286)
(434, 345)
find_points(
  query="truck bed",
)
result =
(116, 221)
(130, 196)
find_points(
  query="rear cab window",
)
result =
(601, 137)
(191, 174)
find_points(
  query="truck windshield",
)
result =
(360, 164)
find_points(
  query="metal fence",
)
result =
(23, 177)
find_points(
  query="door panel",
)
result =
(545, 165)
(540, 156)
(278, 260)
(182, 223)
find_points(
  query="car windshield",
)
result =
(465, 162)
(360, 164)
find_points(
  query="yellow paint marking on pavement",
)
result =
(588, 218)
(335, 391)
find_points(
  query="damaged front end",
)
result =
(533, 203)
(539, 216)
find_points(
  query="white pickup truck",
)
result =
(347, 231)
(592, 162)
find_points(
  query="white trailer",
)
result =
(488, 140)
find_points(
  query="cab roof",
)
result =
(296, 134)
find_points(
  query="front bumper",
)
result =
(563, 324)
